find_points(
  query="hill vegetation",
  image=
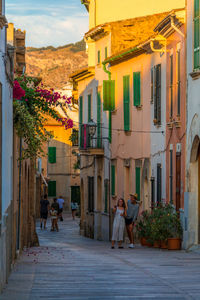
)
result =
(54, 65)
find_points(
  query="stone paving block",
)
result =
(69, 266)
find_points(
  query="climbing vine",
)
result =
(32, 103)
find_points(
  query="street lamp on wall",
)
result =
(92, 128)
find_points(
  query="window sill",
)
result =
(195, 74)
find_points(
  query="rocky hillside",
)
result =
(54, 65)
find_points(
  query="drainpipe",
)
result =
(153, 49)
(105, 70)
(19, 204)
(176, 28)
(109, 205)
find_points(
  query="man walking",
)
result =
(44, 207)
(132, 213)
(60, 201)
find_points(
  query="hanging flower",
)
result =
(18, 92)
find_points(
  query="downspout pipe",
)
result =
(152, 46)
(176, 28)
(105, 70)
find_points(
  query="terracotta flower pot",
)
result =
(174, 244)
(143, 241)
(149, 244)
(163, 244)
(156, 244)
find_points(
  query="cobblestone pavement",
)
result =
(68, 266)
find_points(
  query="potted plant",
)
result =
(142, 227)
(175, 232)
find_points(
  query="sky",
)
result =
(48, 22)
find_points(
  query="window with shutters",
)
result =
(74, 137)
(196, 35)
(159, 184)
(109, 95)
(152, 85)
(137, 89)
(90, 194)
(52, 188)
(171, 86)
(171, 176)
(52, 155)
(99, 120)
(157, 94)
(152, 192)
(80, 119)
(89, 108)
(113, 180)
(98, 56)
(106, 52)
(126, 97)
(178, 82)
(137, 181)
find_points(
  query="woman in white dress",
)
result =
(119, 223)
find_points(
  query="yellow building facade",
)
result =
(60, 166)
(103, 11)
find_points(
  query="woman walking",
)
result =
(119, 223)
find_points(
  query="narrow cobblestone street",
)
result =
(68, 266)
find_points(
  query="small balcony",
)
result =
(91, 143)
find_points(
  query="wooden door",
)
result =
(178, 181)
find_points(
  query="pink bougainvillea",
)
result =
(18, 92)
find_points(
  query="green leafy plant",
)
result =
(160, 224)
(31, 106)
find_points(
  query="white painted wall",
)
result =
(193, 129)
(7, 126)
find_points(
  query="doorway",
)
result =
(75, 194)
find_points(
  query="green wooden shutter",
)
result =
(171, 86)
(137, 181)
(159, 183)
(89, 108)
(106, 52)
(52, 155)
(155, 92)
(126, 96)
(113, 180)
(137, 88)
(152, 87)
(158, 94)
(99, 56)
(110, 127)
(109, 95)
(98, 120)
(80, 119)
(196, 35)
(52, 188)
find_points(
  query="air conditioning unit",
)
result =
(127, 162)
(178, 148)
